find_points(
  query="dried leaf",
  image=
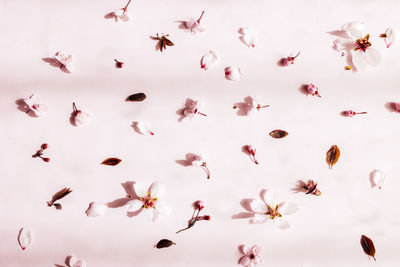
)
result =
(136, 97)
(59, 195)
(164, 243)
(24, 238)
(368, 246)
(278, 134)
(167, 42)
(111, 161)
(332, 156)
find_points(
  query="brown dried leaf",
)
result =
(164, 243)
(278, 134)
(136, 97)
(111, 161)
(368, 246)
(332, 156)
(57, 196)
(167, 42)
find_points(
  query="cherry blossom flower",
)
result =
(351, 113)
(198, 206)
(39, 153)
(269, 210)
(24, 238)
(96, 209)
(143, 127)
(192, 108)
(248, 36)
(209, 60)
(389, 36)
(65, 60)
(149, 201)
(75, 262)
(308, 188)
(35, 106)
(251, 104)
(288, 60)
(119, 64)
(233, 73)
(194, 26)
(121, 13)
(378, 178)
(80, 117)
(198, 161)
(251, 255)
(313, 90)
(252, 152)
(360, 47)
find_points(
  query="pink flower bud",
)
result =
(349, 113)
(251, 150)
(45, 146)
(285, 62)
(312, 89)
(397, 106)
(46, 159)
(205, 217)
(199, 205)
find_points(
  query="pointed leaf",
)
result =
(278, 134)
(59, 195)
(164, 243)
(332, 156)
(111, 161)
(136, 97)
(368, 246)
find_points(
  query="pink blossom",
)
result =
(199, 205)
(351, 113)
(251, 255)
(209, 60)
(397, 106)
(121, 13)
(65, 60)
(289, 60)
(80, 117)
(35, 106)
(194, 26)
(192, 108)
(233, 73)
(312, 90)
(252, 153)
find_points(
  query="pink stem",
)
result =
(202, 114)
(202, 13)
(361, 113)
(260, 107)
(74, 107)
(207, 171)
(296, 55)
(126, 7)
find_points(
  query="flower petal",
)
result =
(353, 29)
(162, 209)
(248, 36)
(96, 209)
(39, 109)
(373, 56)
(390, 37)
(342, 45)
(255, 249)
(259, 218)
(281, 223)
(245, 261)
(134, 205)
(157, 189)
(33, 99)
(233, 73)
(143, 127)
(360, 59)
(245, 249)
(141, 189)
(268, 196)
(81, 118)
(258, 206)
(24, 238)
(288, 208)
(378, 178)
(209, 60)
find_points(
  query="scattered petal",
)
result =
(143, 127)
(65, 60)
(233, 73)
(209, 60)
(96, 209)
(24, 238)
(389, 36)
(248, 36)
(379, 178)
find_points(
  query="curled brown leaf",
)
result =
(57, 196)
(368, 246)
(111, 161)
(278, 134)
(164, 243)
(332, 155)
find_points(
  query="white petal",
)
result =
(33, 99)
(152, 214)
(63, 58)
(353, 29)
(288, 208)
(119, 13)
(209, 60)
(259, 218)
(258, 206)
(390, 37)
(143, 127)
(248, 37)
(197, 163)
(246, 249)
(379, 178)
(81, 118)
(39, 109)
(360, 59)
(141, 189)
(233, 73)
(162, 209)
(373, 56)
(157, 189)
(269, 197)
(134, 205)
(245, 261)
(75, 262)
(281, 223)
(342, 45)
(25, 238)
(96, 209)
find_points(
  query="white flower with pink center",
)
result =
(192, 108)
(269, 210)
(251, 255)
(35, 105)
(65, 60)
(149, 201)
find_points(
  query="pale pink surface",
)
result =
(326, 229)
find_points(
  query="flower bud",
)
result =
(44, 146)
(46, 159)
(199, 205)
(205, 217)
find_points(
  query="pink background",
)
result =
(324, 232)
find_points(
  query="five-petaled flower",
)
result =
(251, 255)
(149, 201)
(194, 26)
(269, 210)
(35, 106)
(65, 60)
(192, 108)
(80, 117)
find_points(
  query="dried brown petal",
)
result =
(368, 246)
(59, 195)
(136, 97)
(111, 161)
(164, 243)
(332, 156)
(278, 133)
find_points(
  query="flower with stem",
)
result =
(197, 161)
(194, 26)
(39, 153)
(35, 106)
(192, 108)
(351, 113)
(198, 206)
(312, 90)
(122, 13)
(80, 117)
(289, 60)
(252, 153)
(250, 105)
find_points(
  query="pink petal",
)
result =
(134, 205)
(209, 60)
(233, 73)
(245, 261)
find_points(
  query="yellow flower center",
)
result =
(273, 212)
(148, 201)
(362, 43)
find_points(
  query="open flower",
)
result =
(192, 108)
(287, 61)
(233, 73)
(209, 60)
(251, 255)
(194, 26)
(389, 36)
(35, 106)
(149, 201)
(250, 105)
(378, 178)
(359, 46)
(312, 90)
(269, 210)
(198, 161)
(80, 117)
(121, 13)
(248, 36)
(65, 60)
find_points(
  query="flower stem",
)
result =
(126, 7)
(361, 113)
(74, 107)
(202, 13)
(204, 165)
(202, 114)
(260, 107)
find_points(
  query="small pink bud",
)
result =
(349, 113)
(118, 64)
(251, 150)
(46, 159)
(397, 106)
(205, 217)
(199, 205)
(312, 89)
(44, 146)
